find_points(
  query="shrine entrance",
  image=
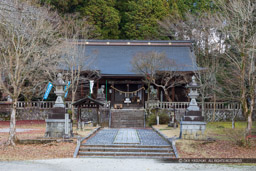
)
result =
(127, 96)
(92, 111)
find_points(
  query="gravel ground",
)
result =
(104, 136)
(106, 164)
(150, 137)
(107, 136)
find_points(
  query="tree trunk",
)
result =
(233, 123)
(167, 95)
(214, 106)
(203, 105)
(72, 107)
(234, 116)
(249, 123)
(148, 90)
(12, 133)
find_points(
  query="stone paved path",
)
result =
(107, 137)
(127, 136)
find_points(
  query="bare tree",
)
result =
(28, 41)
(159, 71)
(203, 29)
(76, 64)
(228, 90)
(75, 27)
(238, 21)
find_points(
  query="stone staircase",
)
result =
(126, 151)
(127, 118)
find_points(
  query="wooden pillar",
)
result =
(173, 94)
(81, 86)
(112, 94)
(78, 116)
(98, 115)
(97, 88)
(143, 95)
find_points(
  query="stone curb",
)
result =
(79, 141)
(171, 142)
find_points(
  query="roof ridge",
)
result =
(132, 42)
(125, 40)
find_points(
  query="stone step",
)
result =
(127, 118)
(102, 149)
(125, 146)
(124, 154)
(124, 125)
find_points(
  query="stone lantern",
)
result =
(58, 123)
(192, 125)
(59, 83)
(193, 94)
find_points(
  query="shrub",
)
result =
(237, 136)
(163, 118)
(151, 119)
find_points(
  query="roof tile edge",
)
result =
(133, 42)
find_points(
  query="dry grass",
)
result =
(168, 131)
(36, 151)
(84, 132)
(224, 145)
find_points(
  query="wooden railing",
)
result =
(184, 105)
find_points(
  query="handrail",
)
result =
(171, 141)
(80, 140)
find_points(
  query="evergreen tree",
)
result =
(64, 6)
(141, 18)
(103, 15)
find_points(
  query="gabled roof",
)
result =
(113, 57)
(88, 102)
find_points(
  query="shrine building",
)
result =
(120, 84)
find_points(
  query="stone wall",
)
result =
(104, 117)
(26, 114)
(41, 114)
(125, 118)
(32, 114)
(220, 115)
(91, 115)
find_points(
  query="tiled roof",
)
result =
(113, 57)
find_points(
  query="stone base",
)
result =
(192, 130)
(55, 128)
